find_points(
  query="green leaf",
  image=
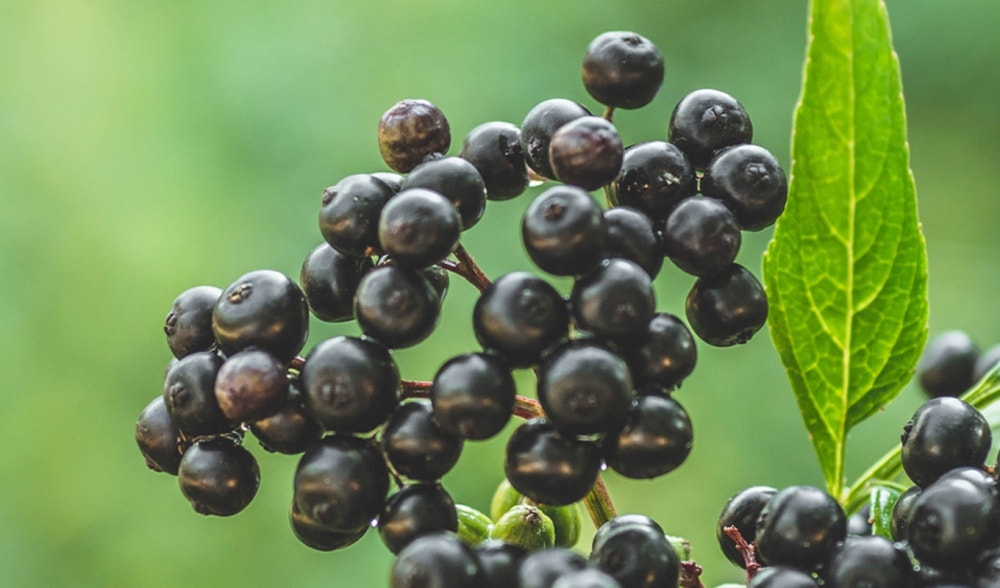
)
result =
(883, 500)
(846, 271)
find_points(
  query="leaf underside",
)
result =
(846, 271)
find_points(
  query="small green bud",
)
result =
(681, 546)
(504, 499)
(473, 526)
(525, 526)
(567, 521)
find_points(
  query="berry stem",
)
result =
(466, 267)
(690, 575)
(609, 113)
(745, 549)
(598, 504)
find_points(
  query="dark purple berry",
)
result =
(705, 121)
(341, 483)
(312, 534)
(410, 131)
(586, 152)
(396, 306)
(329, 280)
(218, 477)
(494, 148)
(457, 180)
(538, 127)
(251, 385)
(349, 213)
(189, 395)
(158, 438)
(290, 430)
(188, 325)
(262, 309)
(419, 227)
(622, 69)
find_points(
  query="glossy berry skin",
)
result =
(705, 121)
(751, 183)
(872, 561)
(314, 535)
(654, 177)
(701, 236)
(349, 385)
(410, 131)
(188, 325)
(622, 69)
(656, 439)
(610, 528)
(586, 152)
(542, 568)
(630, 235)
(158, 438)
(414, 511)
(494, 149)
(251, 385)
(264, 309)
(727, 309)
(944, 433)
(439, 560)
(519, 316)
(189, 395)
(664, 354)
(392, 180)
(416, 446)
(290, 430)
(799, 526)
(584, 388)
(953, 519)
(457, 180)
(548, 468)
(742, 512)
(341, 483)
(615, 301)
(948, 364)
(899, 523)
(473, 395)
(637, 556)
(329, 280)
(859, 524)
(500, 563)
(782, 577)
(563, 231)
(589, 578)
(538, 127)
(218, 477)
(349, 213)
(419, 227)
(396, 306)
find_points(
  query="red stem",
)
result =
(690, 575)
(745, 549)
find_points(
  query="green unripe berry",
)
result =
(567, 522)
(473, 526)
(504, 499)
(525, 526)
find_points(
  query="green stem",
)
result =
(598, 504)
(889, 466)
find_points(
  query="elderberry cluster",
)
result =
(945, 530)
(606, 360)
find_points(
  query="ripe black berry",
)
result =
(549, 468)
(782, 577)
(588, 578)
(948, 364)
(396, 306)
(348, 217)
(410, 131)
(473, 395)
(615, 301)
(799, 526)
(218, 477)
(630, 235)
(188, 325)
(262, 309)
(750, 181)
(457, 180)
(742, 512)
(494, 148)
(701, 236)
(440, 560)
(500, 563)
(329, 280)
(251, 385)
(312, 534)
(637, 556)
(414, 511)
(563, 231)
(158, 438)
(705, 121)
(656, 439)
(899, 523)
(944, 433)
(520, 316)
(727, 309)
(419, 227)
(416, 446)
(542, 568)
(538, 127)
(663, 355)
(586, 152)
(290, 430)
(622, 69)
(871, 560)
(349, 385)
(654, 177)
(189, 395)
(953, 519)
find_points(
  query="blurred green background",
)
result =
(149, 147)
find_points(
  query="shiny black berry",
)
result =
(349, 384)
(158, 438)
(622, 69)
(615, 301)
(630, 235)
(705, 121)
(948, 364)
(410, 131)
(396, 306)
(349, 213)
(588, 578)
(500, 563)
(419, 227)
(416, 446)
(742, 512)
(563, 231)
(782, 577)
(654, 177)
(290, 430)
(663, 354)
(439, 560)
(656, 439)
(701, 236)
(414, 511)
(473, 395)
(329, 280)
(637, 556)
(188, 325)
(263, 309)
(538, 127)
(457, 180)
(901, 511)
(494, 148)
(218, 477)
(868, 561)
(542, 568)
(799, 526)
(953, 519)
(751, 183)
(549, 468)
(586, 152)
(519, 316)
(251, 385)
(728, 308)
(312, 534)
(189, 395)
(945, 433)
